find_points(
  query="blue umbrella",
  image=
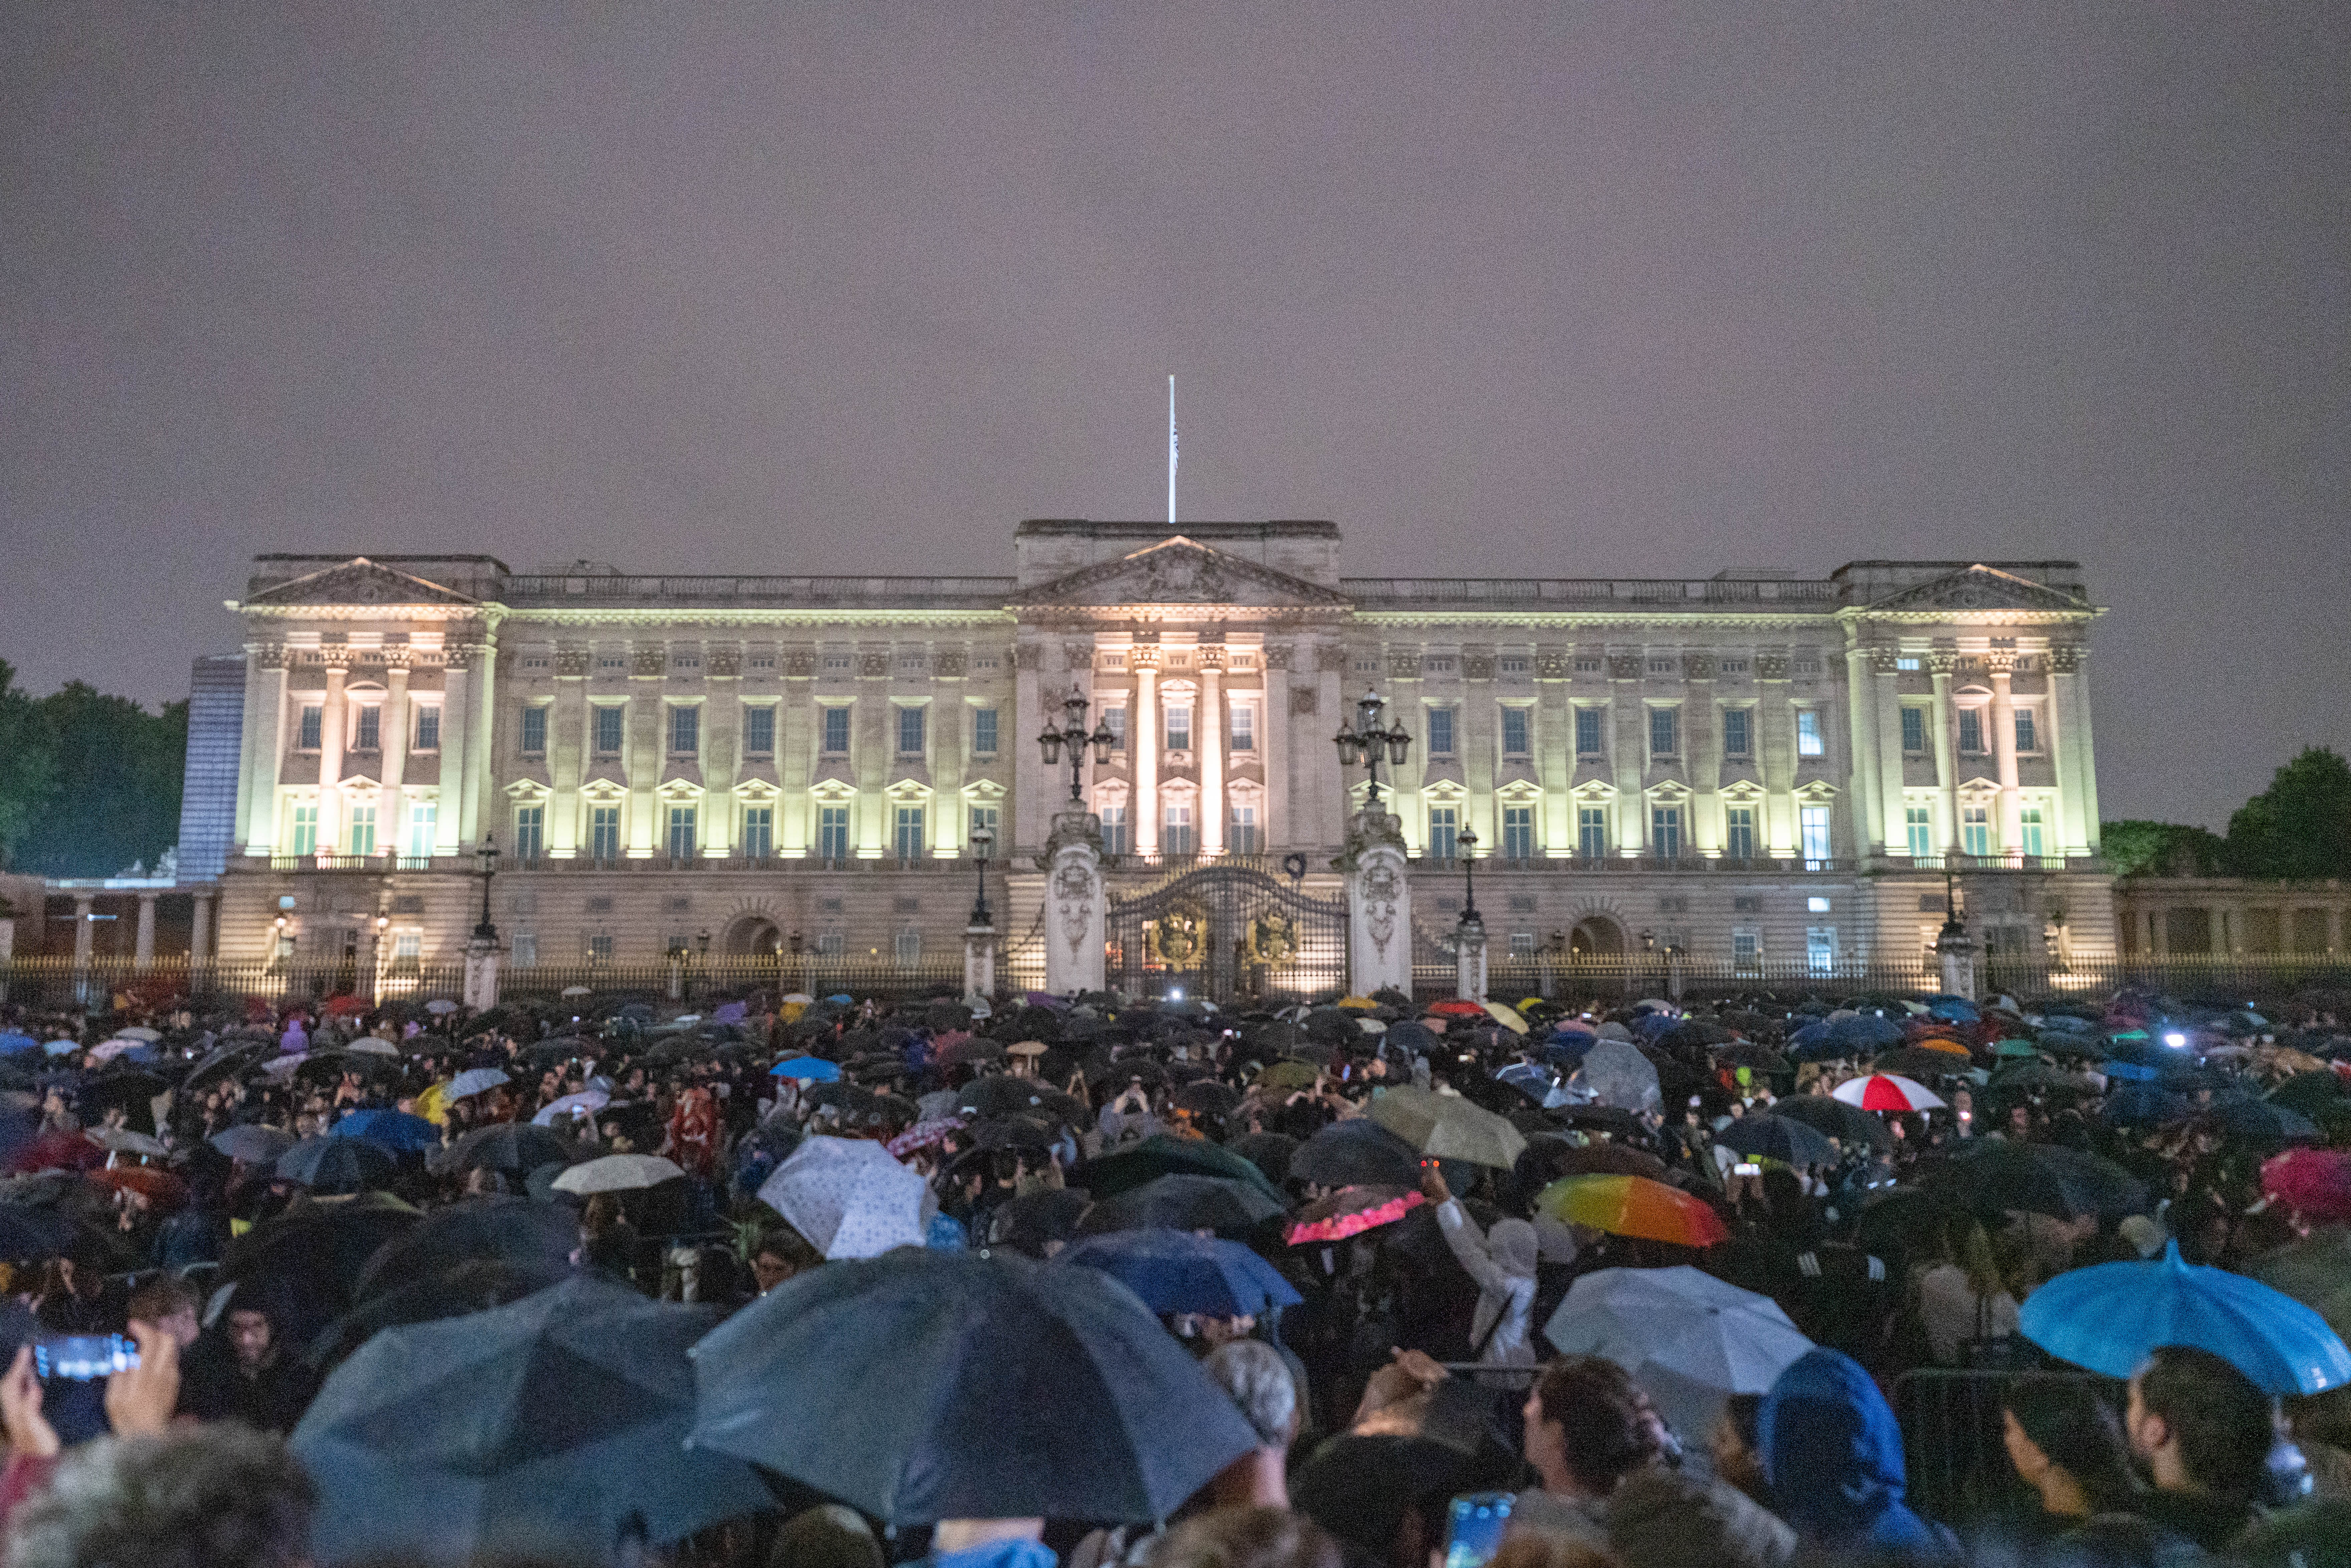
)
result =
(1864, 1030)
(337, 1164)
(1176, 1271)
(474, 1080)
(395, 1130)
(61, 1047)
(2108, 1317)
(11, 1043)
(813, 1068)
(1953, 1009)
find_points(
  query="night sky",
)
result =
(1568, 290)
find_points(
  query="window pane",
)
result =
(1175, 832)
(1820, 948)
(1113, 826)
(907, 842)
(2030, 826)
(836, 731)
(1813, 823)
(1665, 731)
(308, 734)
(608, 723)
(681, 831)
(1739, 838)
(1808, 732)
(360, 839)
(1517, 832)
(531, 823)
(908, 947)
(1587, 732)
(2026, 741)
(832, 831)
(1514, 732)
(910, 732)
(1443, 831)
(534, 731)
(424, 816)
(1240, 833)
(1244, 727)
(604, 832)
(1179, 728)
(428, 728)
(1666, 831)
(983, 731)
(1116, 719)
(759, 731)
(1971, 730)
(1914, 729)
(684, 730)
(1440, 732)
(1738, 732)
(370, 728)
(1975, 829)
(1918, 827)
(1592, 831)
(304, 839)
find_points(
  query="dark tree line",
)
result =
(2299, 829)
(90, 784)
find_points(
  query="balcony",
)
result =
(1969, 864)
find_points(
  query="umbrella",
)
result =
(2037, 1075)
(1001, 1096)
(1161, 1156)
(1850, 1123)
(395, 1131)
(1182, 1202)
(2315, 1272)
(814, 1069)
(2315, 1183)
(252, 1143)
(520, 1230)
(124, 1140)
(1031, 1224)
(1915, 1063)
(28, 1234)
(618, 1173)
(1448, 1127)
(337, 1164)
(1621, 1076)
(1688, 1339)
(2109, 1316)
(505, 1146)
(14, 1041)
(321, 1245)
(848, 1197)
(1887, 1091)
(476, 1081)
(1997, 1175)
(986, 1387)
(1550, 1156)
(1451, 1007)
(560, 1418)
(1779, 1138)
(1175, 1271)
(571, 1105)
(1350, 1211)
(1208, 1098)
(2260, 1123)
(1633, 1206)
(1358, 1152)
(1508, 1016)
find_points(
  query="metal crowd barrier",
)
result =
(1951, 1434)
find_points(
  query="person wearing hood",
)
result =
(1503, 1263)
(1833, 1458)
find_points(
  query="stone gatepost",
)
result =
(1957, 953)
(1469, 959)
(1379, 904)
(482, 974)
(1077, 904)
(978, 962)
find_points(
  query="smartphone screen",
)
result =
(1479, 1521)
(1747, 1169)
(79, 1358)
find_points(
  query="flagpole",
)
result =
(1171, 452)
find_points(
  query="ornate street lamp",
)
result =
(487, 857)
(982, 841)
(1368, 743)
(1072, 734)
(1468, 841)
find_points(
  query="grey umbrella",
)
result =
(1621, 1076)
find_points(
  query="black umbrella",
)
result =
(985, 1387)
(1001, 1095)
(28, 1234)
(319, 1246)
(251, 1142)
(1182, 1202)
(1012, 1133)
(1852, 1124)
(2036, 1178)
(2310, 1094)
(1208, 1098)
(1268, 1152)
(1160, 1156)
(338, 1165)
(451, 1293)
(1777, 1138)
(1356, 1152)
(517, 1229)
(515, 1146)
(1031, 1224)
(558, 1420)
(1917, 1062)
(2260, 1124)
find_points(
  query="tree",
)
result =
(28, 763)
(113, 792)
(2162, 849)
(2300, 828)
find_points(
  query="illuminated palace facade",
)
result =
(1743, 768)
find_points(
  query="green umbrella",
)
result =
(2015, 1048)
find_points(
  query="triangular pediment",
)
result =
(358, 581)
(1179, 571)
(1982, 588)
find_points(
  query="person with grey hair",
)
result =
(1256, 1378)
(217, 1496)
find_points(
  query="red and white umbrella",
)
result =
(1888, 1092)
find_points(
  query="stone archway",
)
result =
(753, 935)
(1596, 936)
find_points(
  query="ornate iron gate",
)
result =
(1227, 932)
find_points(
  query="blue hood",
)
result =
(998, 1554)
(1833, 1453)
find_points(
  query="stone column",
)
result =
(1629, 752)
(2003, 750)
(1273, 726)
(84, 932)
(480, 763)
(1327, 800)
(392, 831)
(1143, 751)
(261, 745)
(1893, 804)
(482, 972)
(1379, 905)
(143, 954)
(1775, 754)
(1947, 762)
(2077, 822)
(332, 717)
(568, 747)
(200, 928)
(1033, 794)
(1076, 906)
(978, 961)
(457, 723)
(1860, 715)
(1469, 959)
(1209, 736)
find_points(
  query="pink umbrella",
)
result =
(1887, 1091)
(2315, 1183)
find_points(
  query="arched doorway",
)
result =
(754, 935)
(1595, 936)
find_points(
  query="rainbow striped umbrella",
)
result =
(1633, 1206)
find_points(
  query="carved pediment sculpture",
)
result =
(1179, 571)
(357, 581)
(1982, 588)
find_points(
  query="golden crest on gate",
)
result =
(1176, 937)
(1273, 939)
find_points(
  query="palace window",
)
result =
(759, 731)
(1179, 727)
(526, 950)
(611, 727)
(604, 832)
(1971, 732)
(983, 731)
(423, 819)
(1821, 949)
(370, 727)
(1919, 828)
(310, 729)
(1114, 835)
(1914, 730)
(1665, 731)
(2029, 829)
(1240, 833)
(832, 832)
(530, 826)
(1440, 732)
(1517, 832)
(1908, 663)
(600, 948)
(1738, 835)
(836, 730)
(1116, 719)
(907, 840)
(1444, 832)
(685, 729)
(1587, 665)
(2027, 735)
(1522, 944)
(360, 839)
(983, 821)
(910, 731)
(534, 731)
(1808, 733)
(906, 946)
(1812, 828)
(836, 661)
(681, 832)
(1738, 732)
(1175, 830)
(760, 661)
(1515, 741)
(1244, 727)
(1592, 831)
(758, 831)
(428, 727)
(1975, 829)
(304, 839)
(1665, 832)
(1661, 666)
(1588, 728)
(1512, 664)
(1747, 951)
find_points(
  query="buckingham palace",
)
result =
(1746, 768)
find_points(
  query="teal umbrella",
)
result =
(2108, 1317)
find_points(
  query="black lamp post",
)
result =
(1072, 734)
(1467, 842)
(487, 856)
(1368, 742)
(982, 841)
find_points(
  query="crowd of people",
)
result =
(1096, 1279)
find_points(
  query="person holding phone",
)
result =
(1502, 1261)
